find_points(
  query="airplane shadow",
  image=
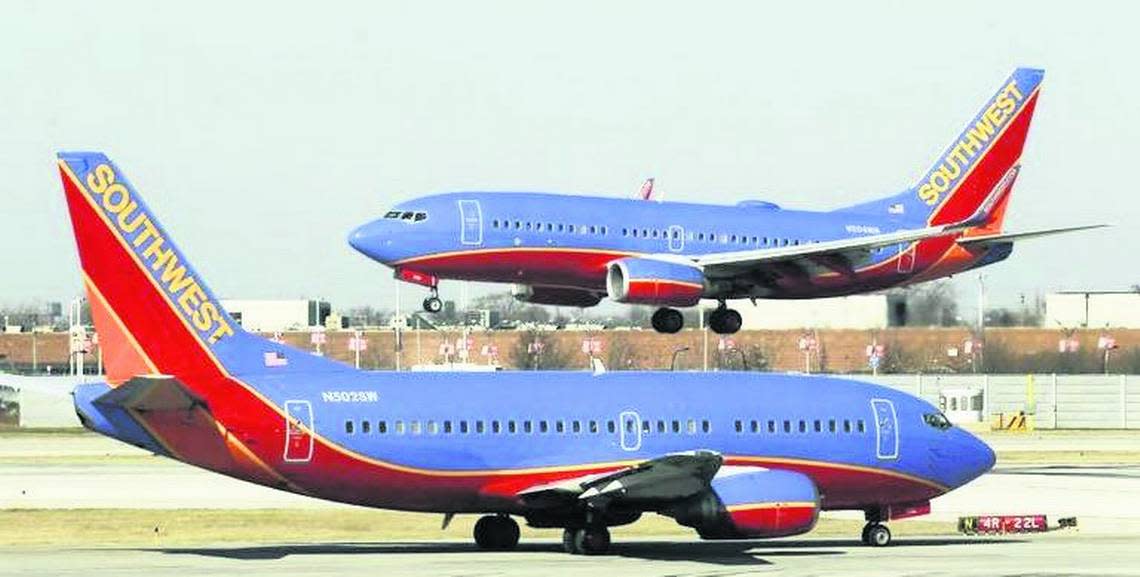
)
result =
(717, 552)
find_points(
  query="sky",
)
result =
(262, 133)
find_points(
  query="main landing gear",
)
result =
(724, 321)
(586, 541)
(432, 304)
(876, 535)
(668, 321)
(496, 533)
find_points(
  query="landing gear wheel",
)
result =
(432, 304)
(667, 320)
(496, 533)
(876, 535)
(725, 321)
(568, 545)
(592, 540)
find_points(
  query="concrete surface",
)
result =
(1042, 555)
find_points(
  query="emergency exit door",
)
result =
(298, 431)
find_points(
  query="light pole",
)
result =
(676, 351)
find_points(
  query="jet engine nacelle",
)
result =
(651, 281)
(558, 296)
(751, 502)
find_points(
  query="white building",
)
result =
(270, 316)
(1093, 309)
(850, 312)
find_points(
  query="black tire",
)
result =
(725, 321)
(433, 305)
(569, 537)
(592, 541)
(667, 320)
(866, 540)
(878, 535)
(496, 533)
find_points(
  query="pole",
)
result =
(397, 323)
(356, 349)
(704, 341)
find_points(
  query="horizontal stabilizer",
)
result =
(152, 393)
(1016, 236)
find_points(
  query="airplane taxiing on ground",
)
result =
(732, 455)
(574, 250)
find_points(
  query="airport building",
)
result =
(274, 316)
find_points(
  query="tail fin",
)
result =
(153, 312)
(971, 180)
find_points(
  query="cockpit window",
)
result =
(406, 215)
(937, 420)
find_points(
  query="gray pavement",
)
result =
(1042, 555)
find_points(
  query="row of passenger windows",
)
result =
(802, 426)
(479, 427)
(650, 233)
(550, 227)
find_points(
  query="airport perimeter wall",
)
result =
(1058, 401)
(909, 350)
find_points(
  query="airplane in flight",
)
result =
(735, 455)
(574, 250)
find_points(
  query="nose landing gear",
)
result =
(432, 304)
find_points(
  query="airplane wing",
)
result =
(988, 239)
(671, 477)
(839, 255)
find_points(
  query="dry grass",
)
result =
(144, 527)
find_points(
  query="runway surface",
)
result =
(1042, 555)
(63, 472)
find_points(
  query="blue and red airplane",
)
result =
(735, 455)
(574, 250)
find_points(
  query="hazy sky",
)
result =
(262, 134)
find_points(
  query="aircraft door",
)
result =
(886, 429)
(906, 257)
(630, 431)
(676, 238)
(298, 432)
(470, 222)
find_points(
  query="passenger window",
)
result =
(706, 426)
(415, 427)
(594, 427)
(577, 426)
(559, 427)
(739, 426)
(432, 427)
(846, 426)
(676, 426)
(543, 427)
(495, 223)
(787, 426)
(691, 427)
(660, 426)
(382, 427)
(447, 427)
(611, 427)
(479, 427)
(496, 427)
(755, 426)
(511, 427)
(399, 427)
(420, 216)
(831, 425)
(527, 427)
(550, 227)
(771, 426)
(646, 427)
(348, 427)
(860, 426)
(366, 426)
(803, 427)
(463, 427)
(392, 214)
(818, 426)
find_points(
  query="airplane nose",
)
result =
(976, 457)
(370, 239)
